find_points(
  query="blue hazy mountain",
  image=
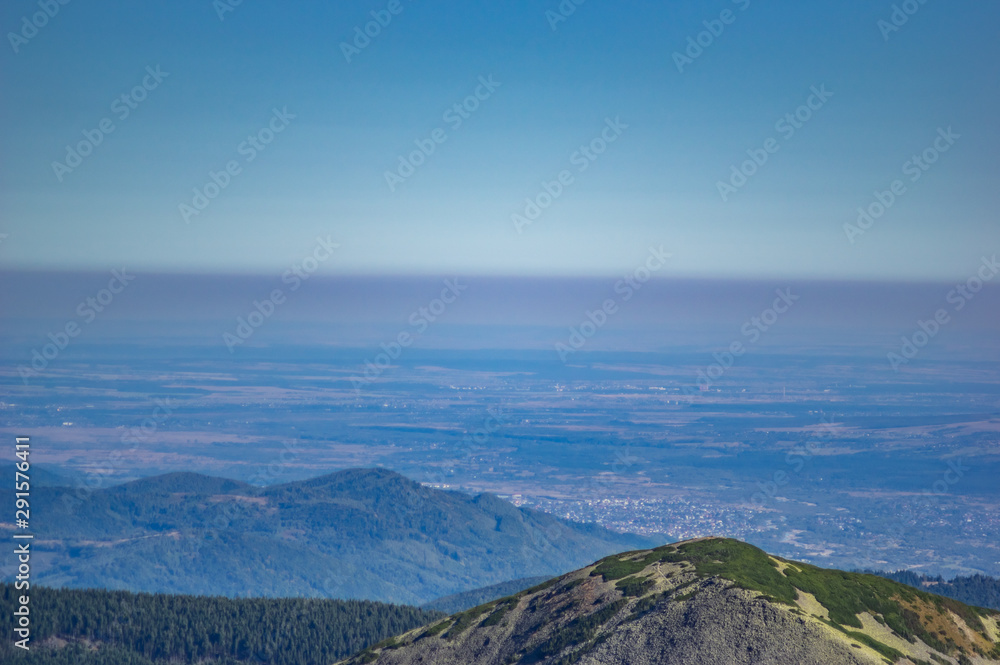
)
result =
(363, 533)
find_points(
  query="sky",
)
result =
(666, 120)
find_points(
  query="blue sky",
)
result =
(656, 184)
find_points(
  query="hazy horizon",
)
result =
(686, 269)
(607, 119)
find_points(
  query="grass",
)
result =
(435, 629)
(844, 595)
(738, 562)
(686, 596)
(613, 568)
(744, 565)
(970, 615)
(500, 612)
(391, 643)
(576, 632)
(465, 619)
(644, 606)
(883, 650)
(538, 587)
(635, 586)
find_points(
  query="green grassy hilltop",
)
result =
(706, 601)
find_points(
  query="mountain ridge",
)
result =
(703, 602)
(978, 589)
(357, 533)
(465, 600)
